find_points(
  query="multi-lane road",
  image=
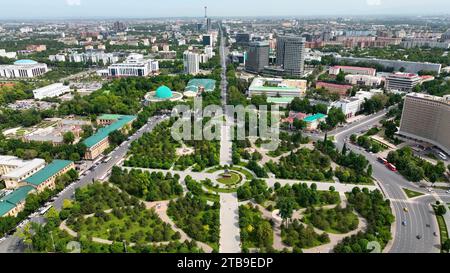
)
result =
(98, 171)
(420, 220)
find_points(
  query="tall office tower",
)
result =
(207, 23)
(257, 57)
(242, 38)
(207, 40)
(291, 54)
(191, 63)
(427, 118)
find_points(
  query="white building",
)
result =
(366, 80)
(51, 91)
(13, 170)
(23, 69)
(354, 70)
(10, 55)
(402, 81)
(135, 65)
(57, 58)
(191, 63)
(209, 50)
(94, 57)
(353, 105)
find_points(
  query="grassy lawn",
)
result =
(234, 179)
(230, 190)
(215, 169)
(337, 220)
(132, 224)
(248, 175)
(442, 228)
(412, 194)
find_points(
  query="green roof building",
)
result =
(104, 132)
(14, 199)
(163, 92)
(195, 85)
(47, 172)
(315, 117)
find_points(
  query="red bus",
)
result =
(391, 167)
(383, 161)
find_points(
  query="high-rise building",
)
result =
(119, 26)
(426, 118)
(207, 40)
(242, 38)
(257, 57)
(191, 63)
(291, 54)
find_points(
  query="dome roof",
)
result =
(163, 92)
(22, 62)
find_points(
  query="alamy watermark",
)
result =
(227, 121)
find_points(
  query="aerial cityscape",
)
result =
(204, 129)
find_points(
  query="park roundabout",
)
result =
(229, 178)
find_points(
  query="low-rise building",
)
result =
(10, 55)
(312, 122)
(14, 170)
(365, 80)
(99, 142)
(23, 69)
(46, 177)
(354, 70)
(13, 203)
(340, 89)
(51, 91)
(274, 87)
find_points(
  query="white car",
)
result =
(448, 191)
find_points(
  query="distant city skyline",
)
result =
(54, 9)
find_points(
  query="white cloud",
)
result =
(373, 2)
(73, 2)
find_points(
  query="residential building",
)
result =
(420, 42)
(291, 55)
(36, 48)
(23, 69)
(427, 118)
(191, 61)
(276, 87)
(402, 81)
(57, 58)
(257, 57)
(409, 67)
(99, 142)
(51, 91)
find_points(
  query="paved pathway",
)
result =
(323, 186)
(230, 238)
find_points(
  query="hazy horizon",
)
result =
(73, 9)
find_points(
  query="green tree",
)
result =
(68, 138)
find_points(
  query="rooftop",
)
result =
(194, 84)
(10, 201)
(47, 172)
(27, 167)
(22, 62)
(315, 117)
(281, 100)
(103, 133)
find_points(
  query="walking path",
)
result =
(325, 248)
(230, 238)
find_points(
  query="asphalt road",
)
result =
(419, 213)
(13, 244)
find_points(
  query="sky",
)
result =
(39, 9)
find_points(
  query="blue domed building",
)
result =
(162, 93)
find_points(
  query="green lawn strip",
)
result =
(411, 194)
(442, 227)
(214, 169)
(248, 175)
(222, 190)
